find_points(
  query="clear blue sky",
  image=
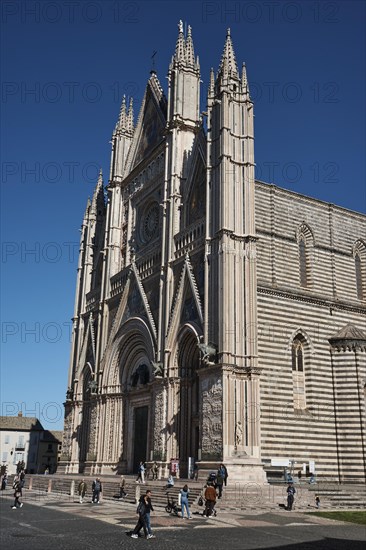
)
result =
(65, 67)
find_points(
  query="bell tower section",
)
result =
(231, 291)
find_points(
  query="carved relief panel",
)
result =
(211, 398)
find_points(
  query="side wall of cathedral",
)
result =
(304, 415)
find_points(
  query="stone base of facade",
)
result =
(240, 470)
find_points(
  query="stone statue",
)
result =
(158, 369)
(208, 354)
(238, 433)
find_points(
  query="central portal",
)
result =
(140, 433)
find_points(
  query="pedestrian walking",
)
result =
(290, 496)
(224, 473)
(317, 501)
(141, 523)
(219, 482)
(184, 501)
(17, 495)
(4, 481)
(149, 508)
(82, 490)
(122, 484)
(155, 470)
(210, 497)
(141, 473)
(97, 489)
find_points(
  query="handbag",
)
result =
(200, 501)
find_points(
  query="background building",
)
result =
(24, 439)
(216, 317)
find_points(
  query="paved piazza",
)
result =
(46, 522)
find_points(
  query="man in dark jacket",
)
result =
(290, 496)
(97, 489)
(142, 509)
(219, 482)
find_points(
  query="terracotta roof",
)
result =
(349, 332)
(20, 423)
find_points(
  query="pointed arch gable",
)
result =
(88, 340)
(150, 124)
(118, 323)
(144, 300)
(187, 278)
(195, 186)
(133, 341)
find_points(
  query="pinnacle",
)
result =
(100, 177)
(121, 124)
(228, 61)
(180, 46)
(184, 49)
(130, 116)
(212, 81)
(244, 80)
(189, 48)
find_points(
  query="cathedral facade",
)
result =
(216, 317)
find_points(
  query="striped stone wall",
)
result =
(330, 428)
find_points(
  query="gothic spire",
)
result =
(87, 209)
(130, 117)
(228, 62)
(100, 178)
(189, 48)
(180, 46)
(122, 119)
(211, 88)
(98, 195)
(244, 80)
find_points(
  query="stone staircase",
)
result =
(67, 485)
(341, 496)
(251, 497)
(245, 497)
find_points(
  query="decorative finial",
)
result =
(180, 26)
(153, 62)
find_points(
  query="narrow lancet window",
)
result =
(298, 373)
(358, 277)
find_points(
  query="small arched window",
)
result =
(359, 255)
(305, 241)
(303, 267)
(358, 277)
(298, 372)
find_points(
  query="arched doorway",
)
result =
(188, 432)
(131, 379)
(83, 429)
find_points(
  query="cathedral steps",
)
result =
(248, 497)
